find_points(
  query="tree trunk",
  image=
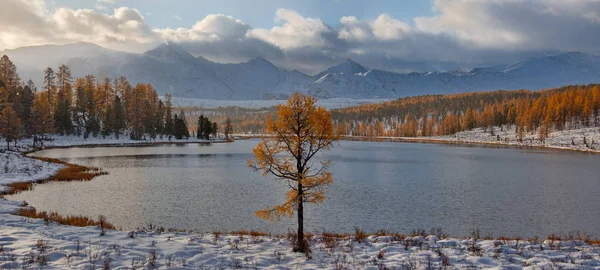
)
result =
(7, 145)
(300, 247)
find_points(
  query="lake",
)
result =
(378, 185)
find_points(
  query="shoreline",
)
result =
(116, 145)
(450, 141)
(482, 144)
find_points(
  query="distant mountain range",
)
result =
(170, 69)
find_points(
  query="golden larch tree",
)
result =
(9, 125)
(300, 131)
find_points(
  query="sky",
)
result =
(310, 35)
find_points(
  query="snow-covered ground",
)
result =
(32, 243)
(567, 139)
(333, 103)
(14, 167)
(65, 141)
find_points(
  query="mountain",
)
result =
(171, 69)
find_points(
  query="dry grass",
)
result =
(70, 172)
(252, 233)
(79, 221)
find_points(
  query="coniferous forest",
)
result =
(85, 107)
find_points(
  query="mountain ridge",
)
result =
(171, 69)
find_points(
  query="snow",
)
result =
(65, 141)
(566, 139)
(15, 167)
(32, 243)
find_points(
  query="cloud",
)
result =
(517, 24)
(295, 32)
(177, 17)
(27, 23)
(459, 34)
(100, 7)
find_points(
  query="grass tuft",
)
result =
(70, 172)
(79, 221)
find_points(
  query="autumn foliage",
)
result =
(433, 115)
(301, 130)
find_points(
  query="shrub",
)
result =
(359, 235)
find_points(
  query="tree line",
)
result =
(84, 107)
(433, 115)
(527, 112)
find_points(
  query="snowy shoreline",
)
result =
(34, 243)
(561, 140)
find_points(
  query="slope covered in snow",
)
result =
(170, 69)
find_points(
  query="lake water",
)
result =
(378, 185)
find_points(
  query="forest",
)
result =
(528, 112)
(86, 107)
(539, 112)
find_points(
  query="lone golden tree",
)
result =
(300, 131)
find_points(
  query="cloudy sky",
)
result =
(309, 35)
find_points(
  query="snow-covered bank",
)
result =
(32, 243)
(567, 139)
(68, 141)
(14, 167)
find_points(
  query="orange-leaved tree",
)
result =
(300, 131)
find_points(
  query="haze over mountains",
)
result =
(170, 69)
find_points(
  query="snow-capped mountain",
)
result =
(171, 69)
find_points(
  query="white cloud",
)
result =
(100, 7)
(27, 23)
(461, 33)
(177, 17)
(296, 31)
(213, 27)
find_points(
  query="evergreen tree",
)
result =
(27, 99)
(118, 117)
(214, 129)
(63, 123)
(63, 119)
(180, 127)
(42, 117)
(228, 128)
(50, 85)
(200, 127)
(168, 116)
(10, 125)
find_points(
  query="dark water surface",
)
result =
(378, 185)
